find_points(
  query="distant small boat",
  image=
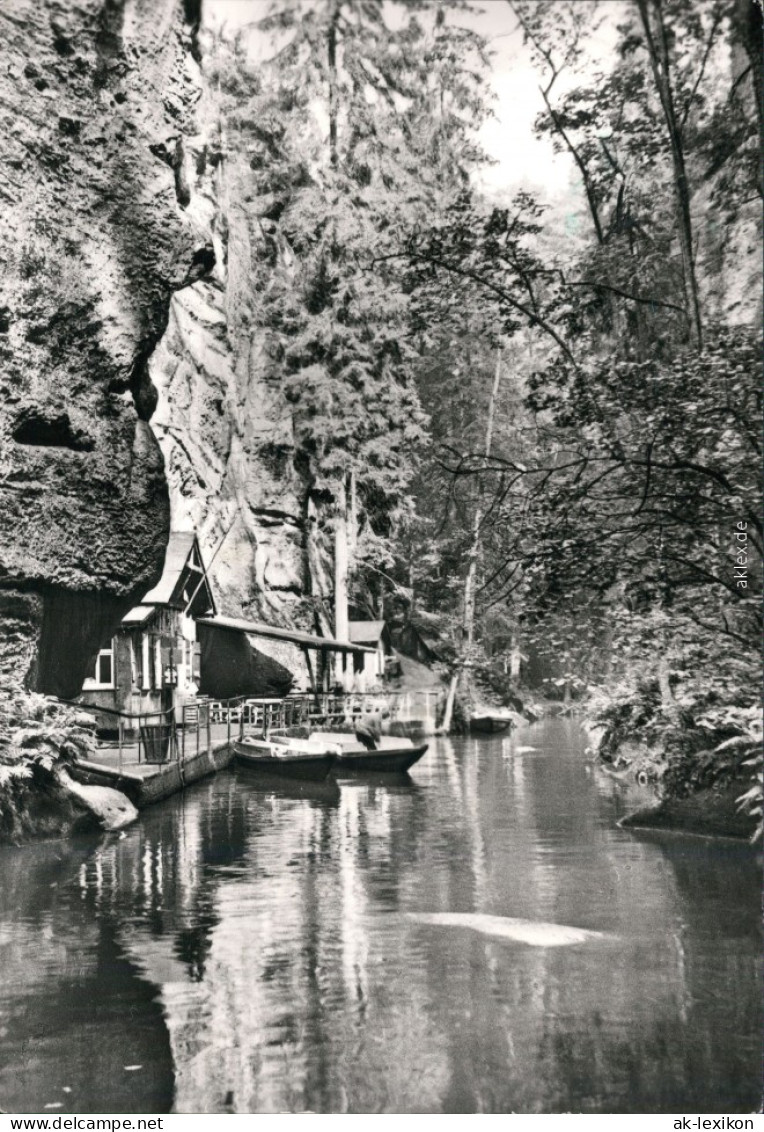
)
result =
(490, 723)
(392, 754)
(286, 758)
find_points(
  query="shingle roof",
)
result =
(138, 615)
(178, 549)
(276, 633)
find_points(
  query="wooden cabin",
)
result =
(374, 636)
(153, 661)
(174, 647)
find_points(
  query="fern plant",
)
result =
(39, 732)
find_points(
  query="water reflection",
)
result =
(249, 948)
(75, 1017)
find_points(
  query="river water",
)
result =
(248, 950)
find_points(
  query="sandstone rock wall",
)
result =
(222, 420)
(95, 99)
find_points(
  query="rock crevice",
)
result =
(93, 241)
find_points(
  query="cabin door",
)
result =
(168, 700)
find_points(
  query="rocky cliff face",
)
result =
(95, 99)
(222, 420)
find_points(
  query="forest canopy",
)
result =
(544, 410)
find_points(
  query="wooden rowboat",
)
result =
(392, 753)
(286, 758)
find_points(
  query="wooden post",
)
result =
(120, 735)
(341, 564)
(445, 726)
(353, 518)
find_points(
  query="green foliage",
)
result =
(660, 466)
(38, 736)
(359, 126)
(612, 504)
(624, 456)
(37, 732)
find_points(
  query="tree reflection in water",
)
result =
(272, 927)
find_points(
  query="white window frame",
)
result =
(92, 683)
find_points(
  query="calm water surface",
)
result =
(245, 950)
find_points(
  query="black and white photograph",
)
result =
(380, 560)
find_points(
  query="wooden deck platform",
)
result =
(144, 783)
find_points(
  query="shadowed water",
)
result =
(477, 937)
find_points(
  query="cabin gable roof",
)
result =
(184, 583)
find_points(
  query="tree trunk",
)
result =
(668, 703)
(657, 47)
(468, 617)
(749, 20)
(591, 197)
(352, 509)
(331, 51)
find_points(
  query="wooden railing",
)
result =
(153, 735)
(162, 736)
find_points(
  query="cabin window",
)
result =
(103, 677)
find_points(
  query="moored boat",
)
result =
(390, 754)
(490, 724)
(286, 758)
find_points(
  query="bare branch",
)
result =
(624, 294)
(534, 319)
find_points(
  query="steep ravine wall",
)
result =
(222, 420)
(95, 99)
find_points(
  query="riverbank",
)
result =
(40, 741)
(712, 813)
(713, 810)
(51, 803)
(37, 808)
